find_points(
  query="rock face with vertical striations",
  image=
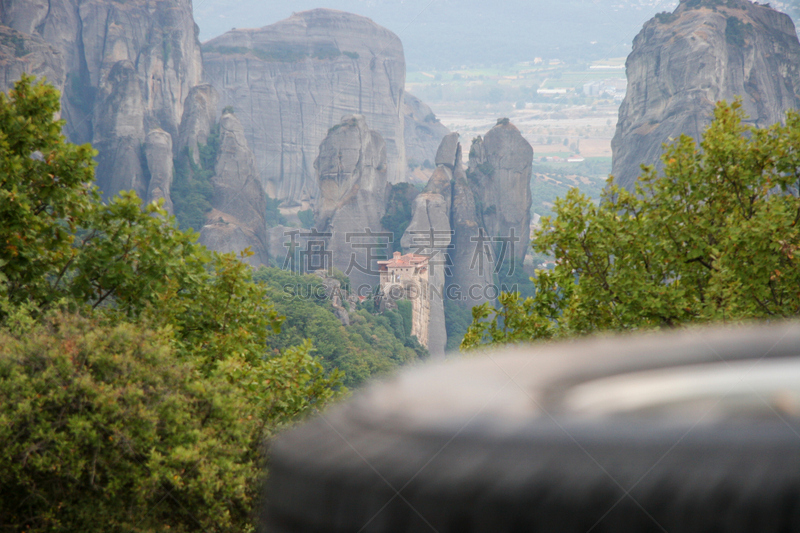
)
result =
(352, 180)
(450, 223)
(236, 220)
(119, 133)
(293, 80)
(472, 254)
(423, 132)
(199, 117)
(684, 62)
(500, 175)
(151, 42)
(429, 234)
(21, 52)
(158, 153)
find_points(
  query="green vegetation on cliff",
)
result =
(191, 188)
(398, 213)
(371, 345)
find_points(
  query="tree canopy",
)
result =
(712, 237)
(136, 386)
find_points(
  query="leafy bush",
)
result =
(372, 345)
(457, 319)
(398, 212)
(666, 17)
(273, 215)
(306, 218)
(103, 429)
(326, 51)
(13, 39)
(736, 31)
(148, 413)
(191, 186)
(277, 53)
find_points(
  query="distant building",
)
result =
(551, 92)
(575, 159)
(406, 277)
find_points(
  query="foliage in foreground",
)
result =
(135, 388)
(714, 237)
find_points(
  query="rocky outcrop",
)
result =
(158, 153)
(199, 117)
(21, 52)
(500, 177)
(119, 133)
(450, 224)
(154, 41)
(236, 220)
(684, 62)
(423, 132)
(293, 80)
(472, 256)
(429, 234)
(449, 152)
(352, 180)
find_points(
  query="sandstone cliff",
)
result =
(158, 153)
(119, 133)
(500, 176)
(423, 132)
(352, 180)
(21, 52)
(236, 221)
(151, 42)
(429, 233)
(199, 117)
(450, 223)
(292, 81)
(683, 63)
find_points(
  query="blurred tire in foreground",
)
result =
(690, 431)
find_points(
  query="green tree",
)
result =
(713, 237)
(45, 191)
(133, 362)
(306, 218)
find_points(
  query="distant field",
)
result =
(554, 180)
(469, 101)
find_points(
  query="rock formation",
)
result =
(500, 175)
(158, 153)
(352, 180)
(292, 81)
(119, 133)
(429, 234)
(423, 132)
(472, 256)
(236, 221)
(684, 62)
(21, 52)
(199, 117)
(151, 42)
(451, 225)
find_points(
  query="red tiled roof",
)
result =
(407, 260)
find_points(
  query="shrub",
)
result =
(736, 31)
(306, 218)
(103, 429)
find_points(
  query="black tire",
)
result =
(500, 443)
